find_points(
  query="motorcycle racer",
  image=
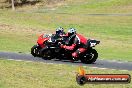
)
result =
(75, 43)
(72, 46)
(60, 31)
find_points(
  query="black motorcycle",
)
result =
(53, 50)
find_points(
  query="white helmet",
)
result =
(71, 31)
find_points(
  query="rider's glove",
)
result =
(68, 48)
(59, 43)
(63, 46)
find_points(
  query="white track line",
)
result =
(115, 61)
(106, 68)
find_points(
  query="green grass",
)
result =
(19, 34)
(15, 74)
(16, 42)
(93, 6)
(18, 29)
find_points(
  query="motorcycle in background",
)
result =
(42, 39)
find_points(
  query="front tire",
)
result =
(35, 51)
(90, 57)
(46, 54)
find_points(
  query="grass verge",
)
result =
(91, 6)
(14, 74)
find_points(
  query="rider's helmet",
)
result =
(71, 32)
(59, 30)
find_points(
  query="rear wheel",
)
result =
(90, 57)
(35, 51)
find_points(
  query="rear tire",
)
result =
(90, 58)
(35, 51)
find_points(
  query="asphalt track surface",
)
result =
(103, 64)
(101, 14)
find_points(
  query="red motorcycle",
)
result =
(48, 47)
(42, 39)
(52, 50)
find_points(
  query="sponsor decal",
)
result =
(83, 78)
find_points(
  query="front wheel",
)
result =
(35, 51)
(46, 53)
(90, 57)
